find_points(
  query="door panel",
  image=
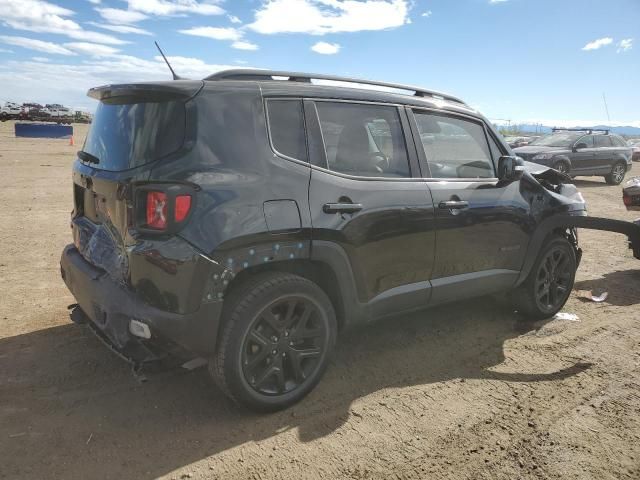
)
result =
(583, 160)
(363, 198)
(488, 233)
(482, 225)
(389, 241)
(604, 154)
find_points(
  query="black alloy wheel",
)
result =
(284, 345)
(278, 332)
(554, 279)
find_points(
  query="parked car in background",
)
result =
(31, 111)
(635, 148)
(581, 152)
(631, 194)
(56, 110)
(10, 110)
(515, 142)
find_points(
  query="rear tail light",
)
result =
(157, 210)
(165, 208)
(183, 205)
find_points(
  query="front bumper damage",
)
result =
(108, 307)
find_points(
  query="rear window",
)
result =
(124, 136)
(286, 125)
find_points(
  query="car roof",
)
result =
(296, 84)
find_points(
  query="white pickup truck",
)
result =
(56, 110)
(10, 110)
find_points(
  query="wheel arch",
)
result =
(318, 272)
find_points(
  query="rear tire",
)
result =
(618, 171)
(549, 284)
(277, 335)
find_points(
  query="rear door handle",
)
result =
(341, 207)
(454, 205)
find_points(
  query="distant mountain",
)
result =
(533, 128)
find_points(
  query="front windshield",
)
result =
(563, 139)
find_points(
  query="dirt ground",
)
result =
(464, 391)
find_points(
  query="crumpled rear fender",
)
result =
(562, 222)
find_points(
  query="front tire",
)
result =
(618, 171)
(278, 332)
(549, 284)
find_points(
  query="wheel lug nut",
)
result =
(273, 352)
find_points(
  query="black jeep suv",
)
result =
(579, 152)
(250, 217)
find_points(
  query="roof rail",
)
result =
(256, 74)
(588, 130)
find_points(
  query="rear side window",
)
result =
(454, 147)
(363, 140)
(618, 142)
(124, 136)
(286, 127)
(603, 141)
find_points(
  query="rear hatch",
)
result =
(134, 127)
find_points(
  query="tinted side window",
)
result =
(618, 142)
(286, 126)
(363, 140)
(455, 148)
(587, 140)
(603, 141)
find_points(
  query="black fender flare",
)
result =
(564, 221)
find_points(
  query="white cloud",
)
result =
(244, 45)
(5, 50)
(175, 7)
(596, 44)
(116, 15)
(95, 2)
(319, 17)
(26, 81)
(625, 44)
(92, 49)
(121, 28)
(234, 19)
(40, 59)
(44, 17)
(217, 33)
(428, 13)
(497, 1)
(326, 48)
(33, 44)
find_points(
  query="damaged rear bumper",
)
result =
(110, 307)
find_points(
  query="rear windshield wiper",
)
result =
(87, 157)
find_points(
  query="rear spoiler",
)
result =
(146, 92)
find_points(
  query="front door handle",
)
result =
(454, 205)
(341, 207)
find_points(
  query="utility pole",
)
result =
(606, 108)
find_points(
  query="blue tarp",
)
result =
(43, 130)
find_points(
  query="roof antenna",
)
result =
(175, 77)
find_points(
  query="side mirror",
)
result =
(578, 146)
(510, 169)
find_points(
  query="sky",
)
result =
(547, 61)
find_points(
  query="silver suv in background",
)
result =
(581, 152)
